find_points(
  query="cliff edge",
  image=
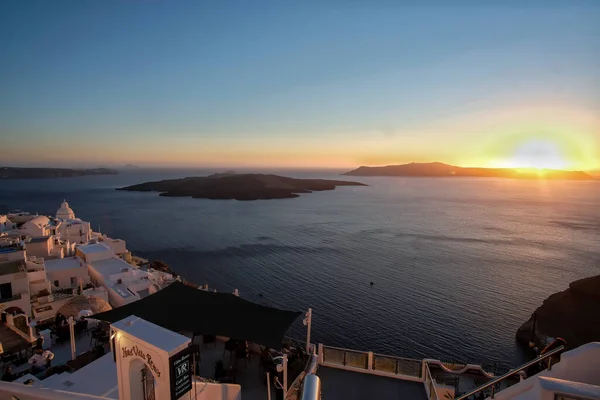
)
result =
(573, 314)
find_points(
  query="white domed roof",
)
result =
(65, 212)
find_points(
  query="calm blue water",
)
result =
(458, 264)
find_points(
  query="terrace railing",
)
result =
(369, 362)
(397, 365)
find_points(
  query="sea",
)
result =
(456, 265)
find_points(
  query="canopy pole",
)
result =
(72, 334)
(308, 321)
(285, 366)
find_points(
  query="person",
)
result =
(7, 375)
(40, 360)
(59, 319)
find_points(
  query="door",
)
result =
(148, 384)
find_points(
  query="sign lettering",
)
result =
(180, 366)
(137, 352)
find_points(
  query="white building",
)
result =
(118, 246)
(70, 228)
(28, 283)
(11, 250)
(14, 287)
(94, 252)
(67, 273)
(36, 275)
(47, 247)
(124, 282)
(18, 216)
(6, 224)
(39, 226)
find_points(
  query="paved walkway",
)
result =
(340, 384)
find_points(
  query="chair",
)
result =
(265, 360)
(230, 346)
(221, 374)
(81, 326)
(63, 334)
(209, 339)
(242, 351)
(98, 337)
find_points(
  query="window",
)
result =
(56, 283)
(6, 291)
(73, 281)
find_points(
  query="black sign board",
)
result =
(180, 366)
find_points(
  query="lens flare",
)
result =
(540, 154)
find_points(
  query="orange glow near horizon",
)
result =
(540, 138)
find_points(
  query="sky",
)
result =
(300, 83)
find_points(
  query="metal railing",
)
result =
(345, 357)
(397, 365)
(491, 384)
(15, 297)
(371, 362)
(429, 384)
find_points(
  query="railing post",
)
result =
(320, 355)
(550, 363)
(344, 361)
(308, 323)
(397, 366)
(370, 361)
(493, 391)
(72, 336)
(268, 385)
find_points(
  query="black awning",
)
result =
(182, 308)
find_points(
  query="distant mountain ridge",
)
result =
(48, 173)
(438, 169)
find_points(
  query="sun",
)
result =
(537, 154)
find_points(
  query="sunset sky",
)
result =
(300, 84)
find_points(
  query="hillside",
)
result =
(47, 173)
(438, 169)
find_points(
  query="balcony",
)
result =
(9, 299)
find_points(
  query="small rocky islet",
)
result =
(231, 186)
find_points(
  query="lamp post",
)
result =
(72, 334)
(307, 321)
